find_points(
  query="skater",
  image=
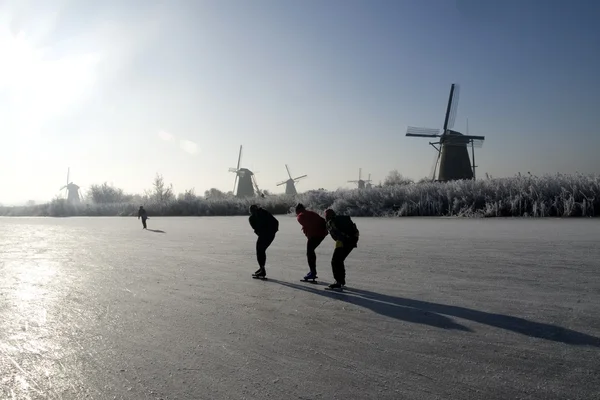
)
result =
(346, 235)
(265, 226)
(142, 213)
(315, 230)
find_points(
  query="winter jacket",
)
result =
(264, 223)
(313, 225)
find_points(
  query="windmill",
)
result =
(361, 183)
(452, 155)
(246, 186)
(290, 184)
(71, 191)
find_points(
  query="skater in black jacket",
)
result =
(142, 213)
(346, 235)
(265, 226)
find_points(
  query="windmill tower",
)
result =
(453, 154)
(290, 184)
(246, 187)
(71, 191)
(361, 183)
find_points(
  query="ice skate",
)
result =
(334, 286)
(260, 274)
(310, 277)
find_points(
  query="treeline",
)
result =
(520, 196)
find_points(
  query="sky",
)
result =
(119, 91)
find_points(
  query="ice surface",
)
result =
(436, 309)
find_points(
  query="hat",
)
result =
(253, 208)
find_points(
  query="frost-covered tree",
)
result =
(106, 194)
(395, 178)
(188, 195)
(214, 194)
(161, 193)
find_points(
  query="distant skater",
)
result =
(346, 235)
(142, 213)
(315, 229)
(265, 226)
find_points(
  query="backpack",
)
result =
(345, 225)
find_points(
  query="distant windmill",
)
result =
(290, 184)
(361, 183)
(246, 186)
(452, 155)
(71, 191)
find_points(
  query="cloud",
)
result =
(165, 136)
(188, 146)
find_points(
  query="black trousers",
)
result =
(262, 244)
(337, 262)
(311, 256)
(144, 222)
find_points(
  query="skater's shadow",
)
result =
(436, 314)
(515, 324)
(386, 308)
(155, 230)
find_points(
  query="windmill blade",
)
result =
(68, 171)
(288, 171)
(477, 143)
(300, 177)
(359, 174)
(255, 185)
(433, 170)
(281, 183)
(239, 158)
(463, 140)
(481, 138)
(422, 132)
(235, 182)
(452, 107)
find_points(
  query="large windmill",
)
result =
(361, 182)
(290, 184)
(452, 155)
(246, 187)
(71, 191)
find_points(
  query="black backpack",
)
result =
(345, 224)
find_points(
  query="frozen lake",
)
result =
(435, 309)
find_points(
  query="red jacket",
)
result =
(313, 225)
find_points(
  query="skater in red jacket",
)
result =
(315, 230)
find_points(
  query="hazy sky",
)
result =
(121, 90)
